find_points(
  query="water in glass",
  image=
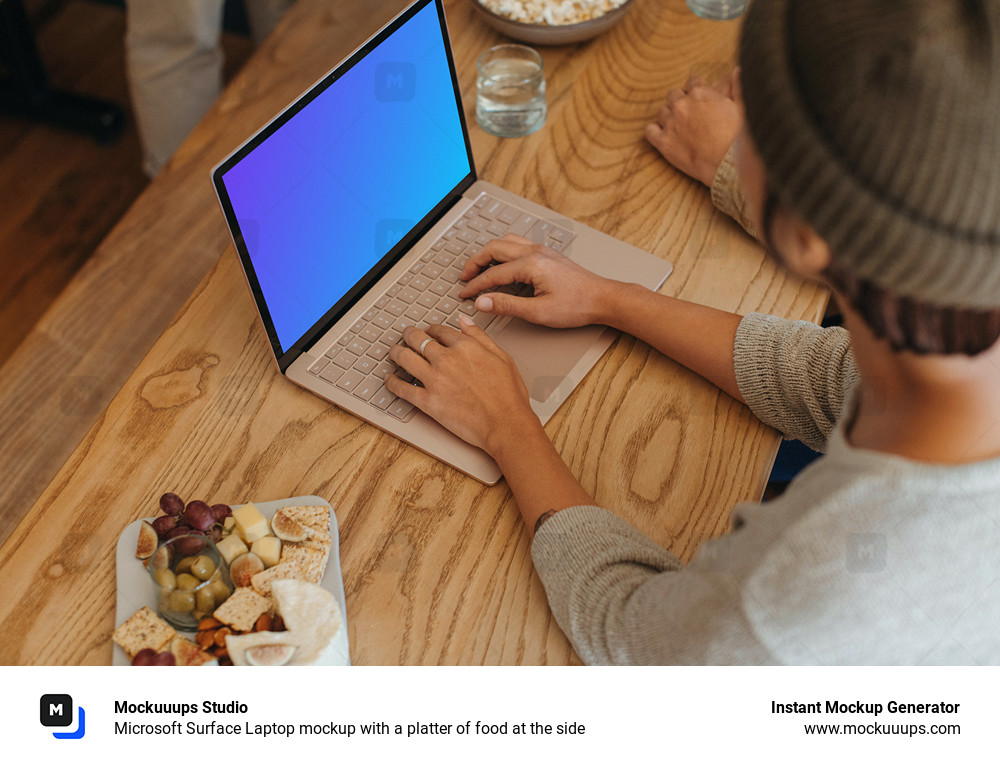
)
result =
(510, 95)
(720, 10)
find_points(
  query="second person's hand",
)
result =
(565, 294)
(696, 126)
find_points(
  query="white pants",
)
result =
(174, 64)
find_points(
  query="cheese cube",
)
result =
(230, 547)
(228, 524)
(250, 523)
(269, 550)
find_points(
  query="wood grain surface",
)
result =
(436, 566)
(61, 193)
(63, 374)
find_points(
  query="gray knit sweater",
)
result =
(867, 558)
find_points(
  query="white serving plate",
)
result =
(135, 588)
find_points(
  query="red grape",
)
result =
(221, 511)
(171, 504)
(165, 658)
(145, 657)
(195, 503)
(188, 545)
(163, 525)
(199, 516)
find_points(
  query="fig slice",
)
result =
(288, 529)
(148, 540)
(160, 559)
(270, 654)
(244, 567)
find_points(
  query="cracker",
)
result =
(188, 653)
(143, 630)
(241, 610)
(316, 545)
(316, 518)
(284, 570)
(309, 558)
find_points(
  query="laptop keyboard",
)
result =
(427, 294)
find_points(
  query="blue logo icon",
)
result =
(395, 81)
(57, 710)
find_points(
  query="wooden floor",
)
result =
(60, 192)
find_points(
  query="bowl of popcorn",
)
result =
(552, 22)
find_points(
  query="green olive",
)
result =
(187, 582)
(220, 591)
(184, 565)
(202, 567)
(166, 579)
(204, 600)
(181, 601)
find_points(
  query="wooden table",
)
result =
(436, 566)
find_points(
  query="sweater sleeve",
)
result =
(795, 376)
(622, 599)
(728, 196)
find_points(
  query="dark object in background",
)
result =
(25, 90)
(234, 15)
(792, 457)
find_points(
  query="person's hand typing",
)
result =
(565, 294)
(471, 386)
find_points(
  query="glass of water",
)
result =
(719, 10)
(510, 91)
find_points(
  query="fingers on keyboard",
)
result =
(480, 246)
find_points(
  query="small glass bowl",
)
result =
(190, 579)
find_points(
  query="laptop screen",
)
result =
(322, 201)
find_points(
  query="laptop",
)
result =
(353, 212)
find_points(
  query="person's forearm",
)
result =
(535, 472)
(699, 337)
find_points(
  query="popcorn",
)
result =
(553, 12)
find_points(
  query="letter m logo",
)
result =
(866, 553)
(56, 710)
(388, 232)
(395, 81)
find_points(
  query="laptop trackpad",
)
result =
(547, 357)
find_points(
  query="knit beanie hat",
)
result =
(878, 122)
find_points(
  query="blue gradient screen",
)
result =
(331, 191)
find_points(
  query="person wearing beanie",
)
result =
(869, 161)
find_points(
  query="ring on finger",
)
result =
(424, 345)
